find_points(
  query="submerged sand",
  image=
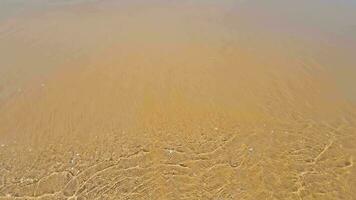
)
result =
(168, 101)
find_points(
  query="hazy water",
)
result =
(177, 99)
(14, 8)
(322, 30)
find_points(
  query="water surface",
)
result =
(177, 99)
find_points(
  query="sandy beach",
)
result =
(177, 100)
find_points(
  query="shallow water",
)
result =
(177, 99)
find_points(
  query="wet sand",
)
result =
(175, 100)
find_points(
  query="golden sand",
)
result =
(170, 101)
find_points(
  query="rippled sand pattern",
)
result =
(171, 100)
